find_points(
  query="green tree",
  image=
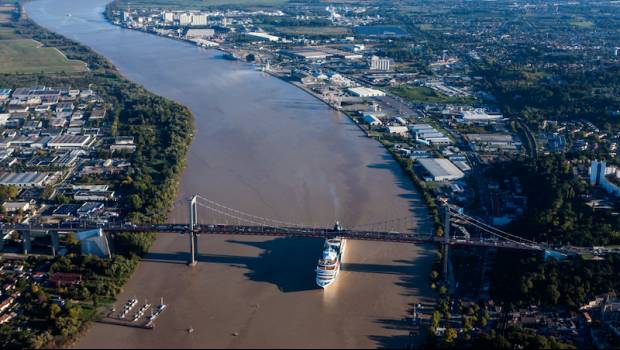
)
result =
(54, 311)
(450, 336)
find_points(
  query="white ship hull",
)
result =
(324, 280)
(329, 267)
(324, 283)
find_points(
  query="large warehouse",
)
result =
(71, 142)
(25, 179)
(366, 92)
(440, 169)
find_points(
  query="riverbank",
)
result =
(131, 111)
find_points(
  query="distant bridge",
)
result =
(395, 230)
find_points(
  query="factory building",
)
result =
(25, 179)
(199, 20)
(398, 129)
(71, 142)
(477, 116)
(366, 92)
(428, 135)
(185, 19)
(495, 142)
(440, 169)
(200, 33)
(371, 120)
(263, 36)
(167, 17)
(380, 64)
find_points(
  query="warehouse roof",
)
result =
(70, 139)
(365, 92)
(22, 179)
(441, 169)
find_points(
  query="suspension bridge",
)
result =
(217, 219)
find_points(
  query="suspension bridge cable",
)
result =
(490, 229)
(497, 234)
(284, 228)
(456, 213)
(247, 214)
(233, 216)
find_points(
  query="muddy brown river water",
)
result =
(264, 147)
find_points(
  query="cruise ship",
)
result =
(329, 265)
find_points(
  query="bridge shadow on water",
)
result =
(287, 262)
(167, 258)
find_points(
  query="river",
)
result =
(264, 147)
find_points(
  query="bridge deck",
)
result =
(400, 237)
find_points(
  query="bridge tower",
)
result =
(26, 241)
(446, 240)
(55, 242)
(193, 236)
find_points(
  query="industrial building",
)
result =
(398, 129)
(307, 54)
(12, 207)
(321, 53)
(440, 169)
(478, 115)
(200, 33)
(199, 20)
(71, 142)
(266, 36)
(25, 179)
(93, 196)
(366, 92)
(123, 143)
(493, 142)
(428, 135)
(607, 177)
(380, 64)
(167, 17)
(5, 94)
(185, 19)
(371, 119)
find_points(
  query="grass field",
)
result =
(26, 56)
(426, 95)
(425, 26)
(301, 30)
(7, 34)
(583, 24)
(197, 4)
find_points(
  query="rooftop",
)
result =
(441, 169)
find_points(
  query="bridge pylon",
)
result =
(55, 242)
(26, 241)
(446, 241)
(193, 236)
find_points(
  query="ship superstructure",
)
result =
(328, 266)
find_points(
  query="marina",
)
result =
(139, 319)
